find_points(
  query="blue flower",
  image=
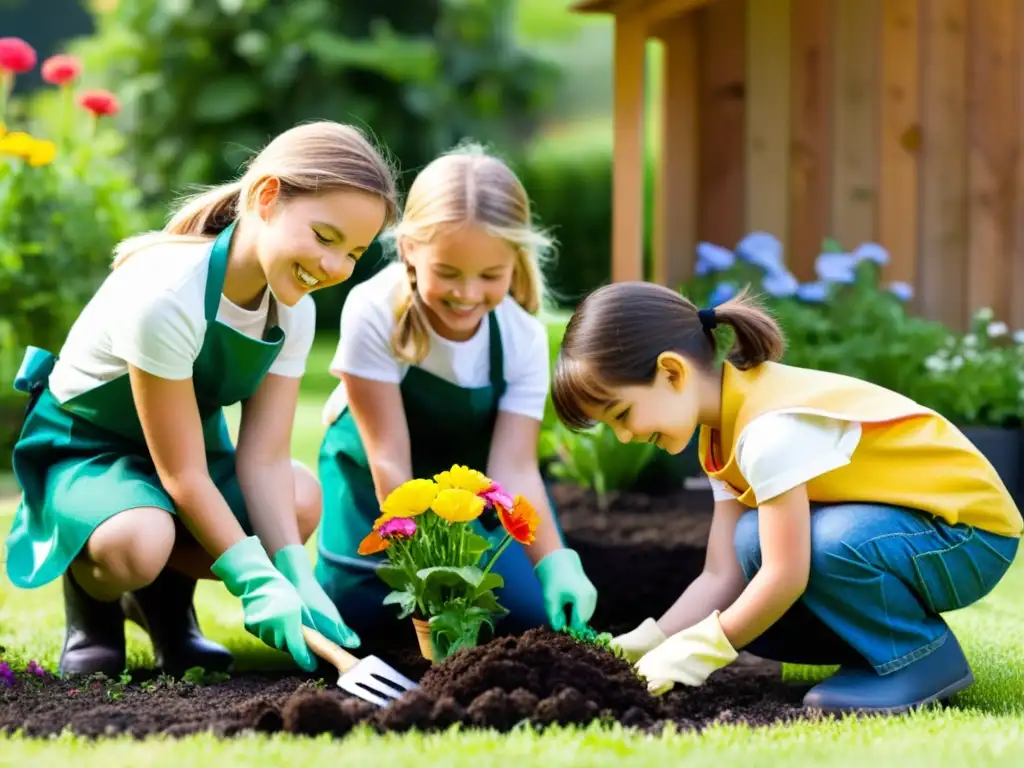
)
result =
(872, 252)
(902, 291)
(762, 250)
(814, 293)
(713, 258)
(836, 267)
(722, 293)
(780, 284)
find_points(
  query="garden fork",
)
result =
(369, 678)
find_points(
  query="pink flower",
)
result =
(61, 69)
(497, 496)
(100, 102)
(6, 674)
(398, 528)
(16, 55)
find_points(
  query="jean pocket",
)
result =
(962, 572)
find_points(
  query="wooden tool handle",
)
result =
(325, 649)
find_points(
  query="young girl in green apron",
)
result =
(132, 488)
(443, 362)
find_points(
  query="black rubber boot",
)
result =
(93, 635)
(164, 609)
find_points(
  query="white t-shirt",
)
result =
(364, 349)
(149, 312)
(779, 451)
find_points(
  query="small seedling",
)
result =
(199, 676)
(115, 690)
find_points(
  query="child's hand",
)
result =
(688, 657)
(639, 641)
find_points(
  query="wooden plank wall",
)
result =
(898, 121)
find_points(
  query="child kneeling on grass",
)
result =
(847, 517)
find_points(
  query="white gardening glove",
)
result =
(636, 643)
(687, 657)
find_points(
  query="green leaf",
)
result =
(406, 600)
(476, 544)
(394, 577)
(449, 576)
(227, 98)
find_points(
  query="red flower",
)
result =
(99, 102)
(520, 521)
(61, 69)
(16, 55)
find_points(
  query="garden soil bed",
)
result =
(641, 555)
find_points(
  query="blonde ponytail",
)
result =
(410, 341)
(199, 217)
(309, 159)
(467, 185)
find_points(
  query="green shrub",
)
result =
(569, 180)
(65, 202)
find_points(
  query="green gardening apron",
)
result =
(82, 461)
(448, 424)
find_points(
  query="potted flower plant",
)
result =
(440, 560)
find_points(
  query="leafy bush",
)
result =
(848, 323)
(569, 180)
(207, 81)
(65, 202)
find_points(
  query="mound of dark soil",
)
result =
(641, 556)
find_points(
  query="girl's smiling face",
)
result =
(665, 412)
(462, 273)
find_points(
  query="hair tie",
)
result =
(708, 319)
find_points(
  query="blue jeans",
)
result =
(880, 576)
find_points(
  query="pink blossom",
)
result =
(496, 495)
(397, 527)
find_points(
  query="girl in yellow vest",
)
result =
(132, 488)
(847, 518)
(443, 361)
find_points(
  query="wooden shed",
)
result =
(898, 121)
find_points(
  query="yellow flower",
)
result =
(408, 500)
(457, 505)
(463, 478)
(17, 143)
(42, 153)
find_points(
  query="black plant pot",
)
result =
(1004, 448)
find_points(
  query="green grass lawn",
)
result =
(986, 724)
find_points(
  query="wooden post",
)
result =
(855, 122)
(722, 117)
(992, 153)
(628, 167)
(900, 139)
(675, 213)
(767, 116)
(810, 129)
(941, 274)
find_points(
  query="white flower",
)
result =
(956, 363)
(1018, 337)
(936, 364)
(984, 314)
(997, 328)
(970, 340)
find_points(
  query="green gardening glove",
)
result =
(271, 606)
(293, 563)
(563, 582)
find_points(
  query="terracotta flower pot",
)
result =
(422, 627)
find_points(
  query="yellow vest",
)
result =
(908, 455)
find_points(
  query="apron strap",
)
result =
(497, 355)
(215, 279)
(218, 268)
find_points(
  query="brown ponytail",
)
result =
(617, 333)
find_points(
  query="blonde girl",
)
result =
(847, 518)
(443, 361)
(132, 488)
